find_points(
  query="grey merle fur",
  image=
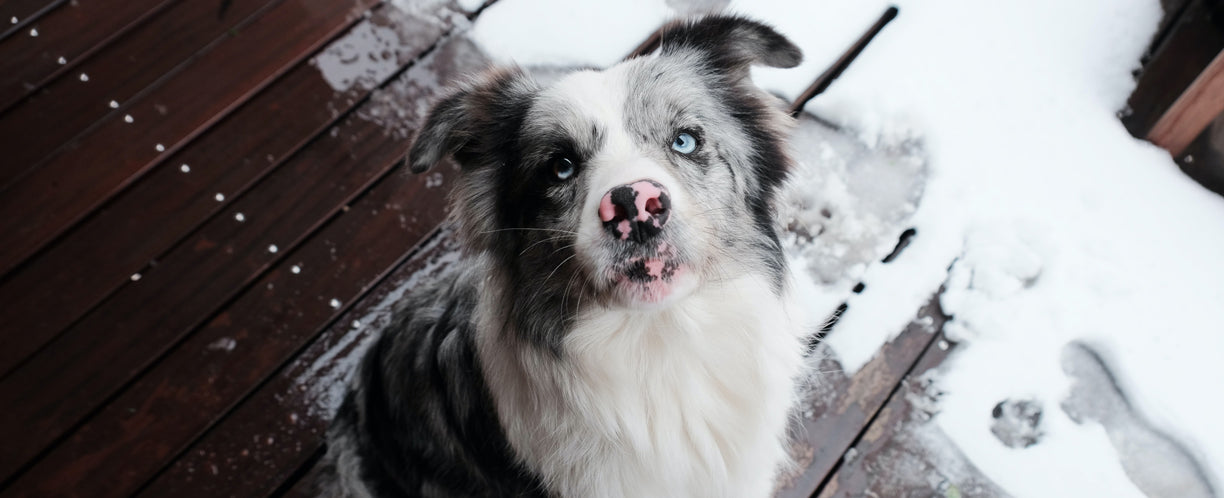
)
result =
(419, 420)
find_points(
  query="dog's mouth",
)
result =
(650, 279)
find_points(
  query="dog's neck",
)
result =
(683, 400)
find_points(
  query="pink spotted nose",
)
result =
(635, 211)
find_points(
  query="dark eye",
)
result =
(684, 143)
(563, 168)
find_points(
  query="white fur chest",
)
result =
(692, 400)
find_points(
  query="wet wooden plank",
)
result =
(1192, 42)
(838, 408)
(305, 486)
(1193, 110)
(903, 453)
(282, 426)
(67, 106)
(89, 263)
(17, 15)
(46, 202)
(204, 376)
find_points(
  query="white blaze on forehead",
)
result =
(599, 98)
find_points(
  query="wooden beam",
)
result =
(1193, 110)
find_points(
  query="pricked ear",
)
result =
(472, 120)
(731, 44)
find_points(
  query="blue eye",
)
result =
(563, 168)
(684, 143)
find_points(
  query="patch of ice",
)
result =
(226, 344)
(433, 180)
(469, 5)
(370, 52)
(399, 107)
(847, 202)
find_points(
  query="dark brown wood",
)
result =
(73, 33)
(25, 12)
(1193, 110)
(903, 454)
(68, 106)
(1204, 158)
(212, 369)
(46, 202)
(89, 263)
(1192, 42)
(295, 407)
(839, 407)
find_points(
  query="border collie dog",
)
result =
(622, 322)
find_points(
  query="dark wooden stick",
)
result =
(825, 79)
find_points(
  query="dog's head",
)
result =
(625, 187)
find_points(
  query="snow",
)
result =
(560, 32)
(990, 129)
(370, 52)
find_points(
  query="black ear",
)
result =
(473, 120)
(730, 44)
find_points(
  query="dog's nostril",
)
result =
(654, 205)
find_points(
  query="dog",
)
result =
(622, 322)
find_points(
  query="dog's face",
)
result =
(628, 187)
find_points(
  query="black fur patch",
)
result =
(422, 421)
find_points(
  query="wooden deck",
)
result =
(200, 231)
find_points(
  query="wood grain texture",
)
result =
(202, 377)
(1190, 114)
(903, 453)
(43, 204)
(25, 12)
(68, 106)
(1190, 44)
(837, 407)
(92, 261)
(282, 425)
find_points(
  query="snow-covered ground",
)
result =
(990, 128)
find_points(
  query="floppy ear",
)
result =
(730, 44)
(474, 120)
